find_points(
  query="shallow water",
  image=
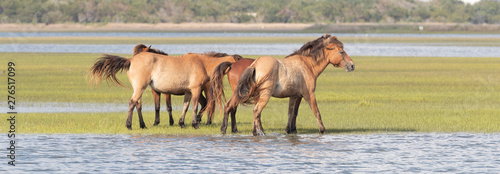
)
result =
(275, 153)
(353, 49)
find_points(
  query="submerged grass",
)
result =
(383, 94)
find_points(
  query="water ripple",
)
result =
(377, 153)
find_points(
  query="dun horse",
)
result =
(293, 77)
(184, 75)
(156, 94)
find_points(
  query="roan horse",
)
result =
(294, 77)
(184, 75)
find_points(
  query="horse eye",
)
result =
(330, 48)
(341, 52)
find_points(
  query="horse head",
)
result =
(334, 52)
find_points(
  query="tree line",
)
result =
(248, 11)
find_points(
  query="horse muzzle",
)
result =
(349, 66)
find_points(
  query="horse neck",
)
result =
(211, 62)
(317, 67)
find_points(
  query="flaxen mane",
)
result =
(315, 48)
(141, 48)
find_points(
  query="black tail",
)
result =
(216, 90)
(107, 66)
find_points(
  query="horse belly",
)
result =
(170, 86)
(282, 91)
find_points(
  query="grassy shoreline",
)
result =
(384, 94)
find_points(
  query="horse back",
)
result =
(167, 74)
(237, 69)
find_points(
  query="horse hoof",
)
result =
(293, 131)
(182, 125)
(259, 133)
(129, 128)
(144, 127)
(171, 123)
(156, 124)
(322, 132)
(235, 131)
(195, 126)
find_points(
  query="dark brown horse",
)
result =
(233, 71)
(184, 75)
(293, 77)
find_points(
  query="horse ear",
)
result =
(326, 35)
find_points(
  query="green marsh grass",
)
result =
(383, 94)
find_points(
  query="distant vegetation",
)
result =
(247, 11)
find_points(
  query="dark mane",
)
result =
(141, 48)
(237, 57)
(215, 54)
(314, 49)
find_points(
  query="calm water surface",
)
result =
(276, 153)
(353, 49)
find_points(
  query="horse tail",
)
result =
(216, 90)
(248, 89)
(107, 66)
(246, 86)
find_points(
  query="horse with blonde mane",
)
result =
(293, 77)
(183, 75)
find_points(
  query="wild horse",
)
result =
(293, 77)
(156, 94)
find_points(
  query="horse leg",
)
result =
(168, 100)
(234, 129)
(293, 108)
(156, 97)
(132, 104)
(187, 99)
(257, 110)
(311, 99)
(204, 106)
(203, 102)
(139, 112)
(196, 92)
(210, 113)
(229, 107)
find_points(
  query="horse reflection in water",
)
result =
(293, 77)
